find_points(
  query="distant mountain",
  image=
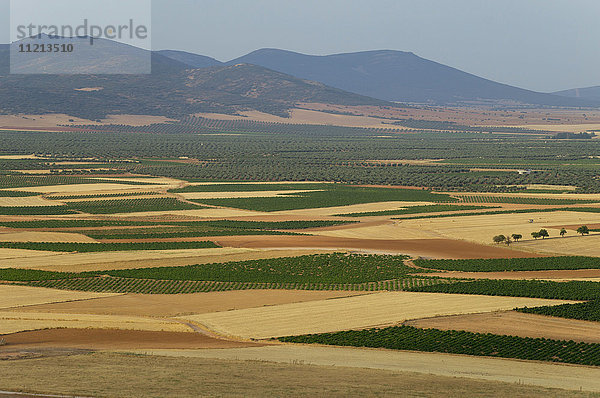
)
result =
(399, 76)
(173, 89)
(193, 60)
(587, 93)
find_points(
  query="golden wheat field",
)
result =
(351, 313)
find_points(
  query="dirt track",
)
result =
(101, 339)
(429, 248)
(516, 324)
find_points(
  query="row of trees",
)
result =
(542, 233)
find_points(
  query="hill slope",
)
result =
(193, 60)
(398, 76)
(588, 93)
(173, 89)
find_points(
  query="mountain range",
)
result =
(268, 80)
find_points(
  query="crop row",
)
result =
(513, 264)
(338, 196)
(518, 200)
(222, 224)
(572, 290)
(152, 286)
(250, 187)
(106, 247)
(320, 268)
(104, 195)
(417, 210)
(588, 311)
(459, 342)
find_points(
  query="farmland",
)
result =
(512, 264)
(458, 342)
(294, 227)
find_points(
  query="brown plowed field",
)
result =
(430, 248)
(101, 339)
(516, 324)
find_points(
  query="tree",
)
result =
(544, 233)
(563, 232)
(517, 237)
(499, 239)
(508, 241)
(535, 235)
(583, 230)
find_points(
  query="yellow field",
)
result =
(44, 237)
(360, 208)
(13, 322)
(353, 312)
(22, 253)
(573, 245)
(482, 228)
(30, 201)
(20, 296)
(512, 371)
(80, 262)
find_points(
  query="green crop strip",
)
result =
(459, 342)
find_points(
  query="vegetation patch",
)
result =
(249, 187)
(105, 247)
(459, 342)
(588, 311)
(572, 290)
(338, 196)
(417, 210)
(513, 264)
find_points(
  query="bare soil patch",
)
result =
(516, 324)
(101, 339)
(430, 248)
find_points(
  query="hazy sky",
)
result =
(543, 45)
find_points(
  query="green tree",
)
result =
(583, 230)
(499, 239)
(517, 237)
(544, 233)
(535, 235)
(563, 232)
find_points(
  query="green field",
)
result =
(513, 264)
(588, 311)
(416, 210)
(105, 247)
(572, 290)
(459, 342)
(338, 196)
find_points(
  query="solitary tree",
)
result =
(563, 232)
(544, 233)
(583, 230)
(499, 239)
(508, 241)
(517, 237)
(535, 235)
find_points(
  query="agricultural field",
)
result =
(174, 250)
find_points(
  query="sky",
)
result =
(543, 45)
